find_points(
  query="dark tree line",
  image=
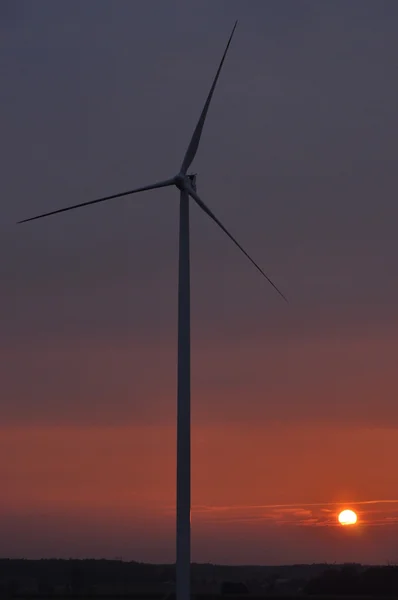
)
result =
(352, 580)
(78, 575)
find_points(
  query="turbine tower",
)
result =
(186, 184)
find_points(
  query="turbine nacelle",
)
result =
(192, 180)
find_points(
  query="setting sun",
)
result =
(347, 517)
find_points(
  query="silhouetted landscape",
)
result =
(115, 578)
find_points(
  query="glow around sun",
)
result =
(348, 517)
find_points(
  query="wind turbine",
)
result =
(186, 184)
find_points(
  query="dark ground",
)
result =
(117, 579)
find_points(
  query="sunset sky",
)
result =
(294, 407)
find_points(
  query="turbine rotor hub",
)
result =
(183, 182)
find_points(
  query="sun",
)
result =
(348, 517)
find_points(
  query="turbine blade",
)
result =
(142, 189)
(194, 143)
(207, 210)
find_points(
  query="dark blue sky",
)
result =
(298, 158)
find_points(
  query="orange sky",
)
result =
(265, 486)
(285, 433)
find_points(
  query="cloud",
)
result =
(307, 514)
